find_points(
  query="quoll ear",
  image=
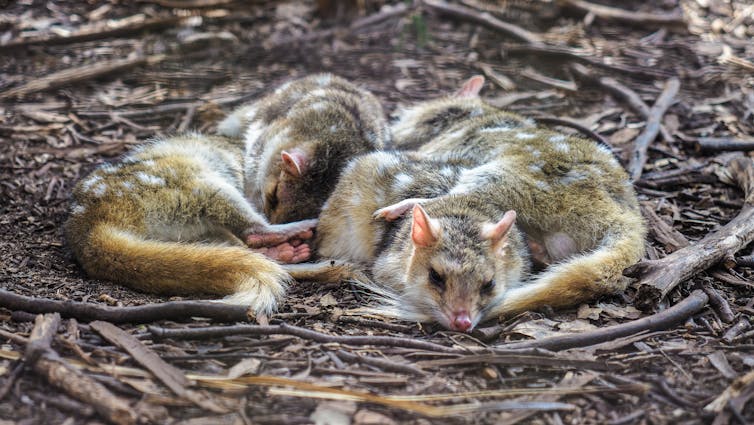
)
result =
(294, 162)
(471, 87)
(497, 233)
(425, 231)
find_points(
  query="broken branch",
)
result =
(654, 121)
(284, 329)
(637, 18)
(660, 321)
(620, 91)
(77, 74)
(87, 312)
(484, 19)
(658, 277)
(58, 373)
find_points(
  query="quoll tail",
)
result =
(184, 268)
(583, 277)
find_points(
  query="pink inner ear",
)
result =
(471, 88)
(421, 228)
(498, 232)
(294, 162)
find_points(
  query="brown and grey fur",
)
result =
(463, 255)
(322, 120)
(172, 217)
(571, 197)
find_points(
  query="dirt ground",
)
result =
(188, 62)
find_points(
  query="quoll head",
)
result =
(316, 147)
(419, 123)
(459, 267)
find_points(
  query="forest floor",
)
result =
(82, 82)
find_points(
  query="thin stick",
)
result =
(484, 19)
(660, 321)
(284, 329)
(658, 277)
(620, 91)
(637, 18)
(168, 374)
(719, 144)
(639, 154)
(80, 73)
(383, 364)
(117, 29)
(58, 373)
(583, 57)
(87, 312)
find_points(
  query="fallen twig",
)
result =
(639, 154)
(383, 364)
(660, 321)
(672, 19)
(719, 144)
(658, 277)
(620, 91)
(80, 73)
(583, 57)
(720, 304)
(484, 19)
(516, 360)
(58, 373)
(87, 312)
(285, 329)
(166, 373)
(113, 29)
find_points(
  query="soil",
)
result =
(219, 54)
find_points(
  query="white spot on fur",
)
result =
(149, 179)
(557, 138)
(524, 136)
(446, 171)
(318, 93)
(402, 181)
(78, 209)
(324, 80)
(573, 176)
(562, 147)
(534, 168)
(476, 112)
(99, 190)
(283, 87)
(127, 185)
(110, 168)
(91, 181)
(542, 185)
(333, 128)
(253, 133)
(501, 127)
(148, 163)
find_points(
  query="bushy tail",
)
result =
(248, 278)
(583, 277)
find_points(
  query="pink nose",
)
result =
(461, 321)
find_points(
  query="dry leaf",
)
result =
(537, 329)
(333, 413)
(248, 366)
(620, 312)
(328, 300)
(367, 417)
(588, 312)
